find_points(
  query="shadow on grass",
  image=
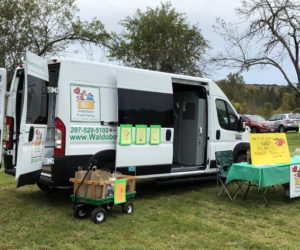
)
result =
(145, 190)
(150, 189)
(56, 198)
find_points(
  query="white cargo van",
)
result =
(150, 124)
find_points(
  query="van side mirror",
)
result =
(241, 125)
(244, 125)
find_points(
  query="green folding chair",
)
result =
(224, 160)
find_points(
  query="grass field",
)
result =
(177, 216)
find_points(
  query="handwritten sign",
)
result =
(140, 134)
(294, 180)
(269, 149)
(120, 191)
(155, 131)
(125, 134)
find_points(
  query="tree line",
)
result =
(264, 100)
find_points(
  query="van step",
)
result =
(186, 169)
(210, 177)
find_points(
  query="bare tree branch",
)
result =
(271, 38)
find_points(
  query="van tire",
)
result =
(105, 160)
(242, 157)
(44, 187)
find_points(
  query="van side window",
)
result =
(143, 107)
(226, 116)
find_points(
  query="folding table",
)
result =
(263, 176)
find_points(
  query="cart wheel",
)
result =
(98, 215)
(80, 212)
(127, 207)
(109, 206)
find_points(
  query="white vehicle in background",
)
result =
(286, 122)
(61, 113)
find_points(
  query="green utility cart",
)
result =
(98, 208)
(101, 196)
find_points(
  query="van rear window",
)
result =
(36, 101)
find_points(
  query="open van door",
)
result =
(2, 106)
(33, 127)
(145, 99)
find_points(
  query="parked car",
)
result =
(258, 124)
(286, 122)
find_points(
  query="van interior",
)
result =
(190, 127)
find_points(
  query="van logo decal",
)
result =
(238, 136)
(85, 103)
(84, 100)
(37, 144)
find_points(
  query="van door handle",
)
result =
(200, 132)
(111, 123)
(31, 133)
(168, 134)
(218, 134)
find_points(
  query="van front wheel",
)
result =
(242, 157)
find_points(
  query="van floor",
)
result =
(178, 167)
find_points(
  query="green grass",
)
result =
(177, 216)
(293, 141)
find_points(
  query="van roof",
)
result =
(129, 69)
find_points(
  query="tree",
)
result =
(233, 87)
(241, 108)
(267, 110)
(160, 39)
(272, 37)
(45, 27)
(287, 103)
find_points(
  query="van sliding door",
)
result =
(2, 106)
(33, 128)
(145, 111)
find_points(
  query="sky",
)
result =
(200, 12)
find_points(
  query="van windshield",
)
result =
(36, 101)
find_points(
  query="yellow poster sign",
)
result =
(269, 149)
(120, 191)
(155, 131)
(125, 134)
(140, 134)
